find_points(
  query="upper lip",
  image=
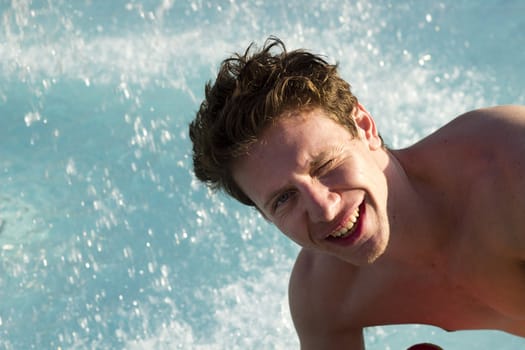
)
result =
(341, 220)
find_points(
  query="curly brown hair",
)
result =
(251, 91)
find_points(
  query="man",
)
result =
(431, 234)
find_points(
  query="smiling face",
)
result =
(319, 185)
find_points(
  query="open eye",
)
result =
(282, 199)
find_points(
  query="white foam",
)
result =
(406, 90)
(251, 313)
(400, 92)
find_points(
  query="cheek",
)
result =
(350, 173)
(292, 228)
(360, 170)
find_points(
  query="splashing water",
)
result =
(107, 241)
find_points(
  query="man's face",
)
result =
(319, 185)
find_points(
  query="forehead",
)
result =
(297, 125)
(300, 135)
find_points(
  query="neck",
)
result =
(418, 218)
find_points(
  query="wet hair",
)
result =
(253, 90)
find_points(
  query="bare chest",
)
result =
(483, 293)
(494, 301)
(488, 253)
(495, 283)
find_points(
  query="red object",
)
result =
(425, 346)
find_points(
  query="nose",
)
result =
(320, 203)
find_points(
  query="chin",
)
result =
(372, 250)
(373, 257)
(362, 261)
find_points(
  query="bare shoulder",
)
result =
(320, 291)
(494, 134)
(321, 282)
(499, 121)
(501, 136)
(485, 129)
(504, 111)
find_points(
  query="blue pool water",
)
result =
(107, 241)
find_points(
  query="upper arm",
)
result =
(506, 133)
(512, 152)
(350, 339)
(318, 311)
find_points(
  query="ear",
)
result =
(367, 127)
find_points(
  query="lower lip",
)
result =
(356, 234)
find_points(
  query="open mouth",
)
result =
(350, 227)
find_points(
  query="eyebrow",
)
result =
(322, 156)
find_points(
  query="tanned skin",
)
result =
(439, 232)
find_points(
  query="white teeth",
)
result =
(349, 225)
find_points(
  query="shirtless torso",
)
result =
(464, 268)
(432, 234)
